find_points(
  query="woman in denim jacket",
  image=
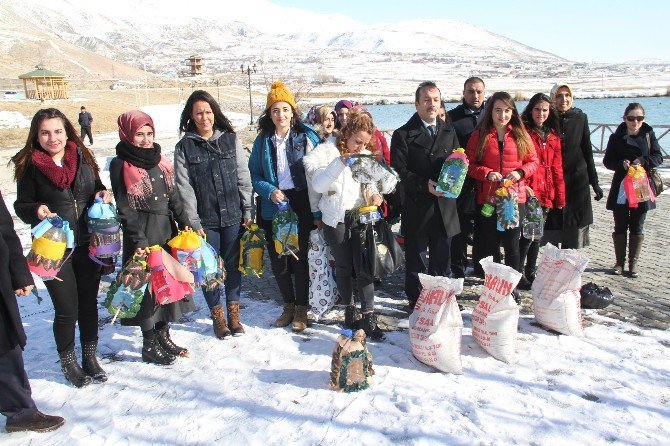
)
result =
(212, 179)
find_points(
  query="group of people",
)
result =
(544, 152)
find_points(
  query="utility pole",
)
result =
(248, 71)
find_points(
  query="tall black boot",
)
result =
(369, 325)
(72, 370)
(163, 334)
(351, 317)
(620, 242)
(634, 249)
(89, 362)
(152, 351)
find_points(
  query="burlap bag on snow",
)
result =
(495, 319)
(436, 326)
(556, 298)
(351, 364)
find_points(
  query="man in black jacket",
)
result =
(465, 118)
(16, 402)
(85, 121)
(418, 150)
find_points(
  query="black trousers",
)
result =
(627, 219)
(86, 131)
(287, 269)
(459, 245)
(75, 299)
(16, 401)
(339, 240)
(439, 253)
(528, 250)
(489, 237)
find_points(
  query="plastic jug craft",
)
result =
(252, 248)
(125, 294)
(369, 214)
(532, 227)
(507, 208)
(104, 225)
(170, 281)
(453, 173)
(186, 248)
(212, 272)
(50, 239)
(636, 185)
(351, 364)
(285, 228)
(491, 202)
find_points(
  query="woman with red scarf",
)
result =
(148, 205)
(57, 175)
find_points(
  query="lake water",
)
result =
(601, 111)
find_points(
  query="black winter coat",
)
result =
(417, 157)
(621, 147)
(14, 274)
(579, 171)
(71, 204)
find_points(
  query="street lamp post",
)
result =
(248, 71)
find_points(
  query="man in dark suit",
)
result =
(16, 402)
(85, 122)
(418, 150)
(465, 118)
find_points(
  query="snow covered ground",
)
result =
(271, 386)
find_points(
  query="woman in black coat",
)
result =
(569, 226)
(16, 402)
(633, 143)
(148, 205)
(57, 174)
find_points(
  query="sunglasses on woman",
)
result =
(634, 118)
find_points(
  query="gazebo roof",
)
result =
(41, 72)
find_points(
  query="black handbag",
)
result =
(377, 253)
(595, 297)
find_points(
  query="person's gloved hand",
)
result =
(598, 191)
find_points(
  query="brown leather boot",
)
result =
(234, 318)
(221, 329)
(634, 249)
(286, 317)
(620, 241)
(299, 318)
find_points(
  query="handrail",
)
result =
(593, 128)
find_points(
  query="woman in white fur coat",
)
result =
(329, 172)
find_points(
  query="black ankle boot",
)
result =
(516, 296)
(369, 325)
(163, 335)
(89, 363)
(152, 352)
(351, 317)
(72, 370)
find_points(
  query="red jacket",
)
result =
(547, 182)
(491, 162)
(383, 153)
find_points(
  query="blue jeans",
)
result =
(226, 243)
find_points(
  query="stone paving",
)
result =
(644, 301)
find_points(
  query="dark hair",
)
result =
(633, 106)
(186, 124)
(25, 155)
(267, 127)
(358, 121)
(471, 80)
(422, 85)
(552, 122)
(82, 108)
(523, 143)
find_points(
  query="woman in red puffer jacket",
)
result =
(500, 149)
(547, 184)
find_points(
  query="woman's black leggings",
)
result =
(284, 267)
(488, 237)
(75, 299)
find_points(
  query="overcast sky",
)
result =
(579, 30)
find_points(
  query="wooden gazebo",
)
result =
(44, 84)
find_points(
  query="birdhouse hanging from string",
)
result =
(285, 229)
(186, 248)
(507, 208)
(125, 294)
(211, 272)
(51, 237)
(105, 228)
(252, 248)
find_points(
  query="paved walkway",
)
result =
(644, 301)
